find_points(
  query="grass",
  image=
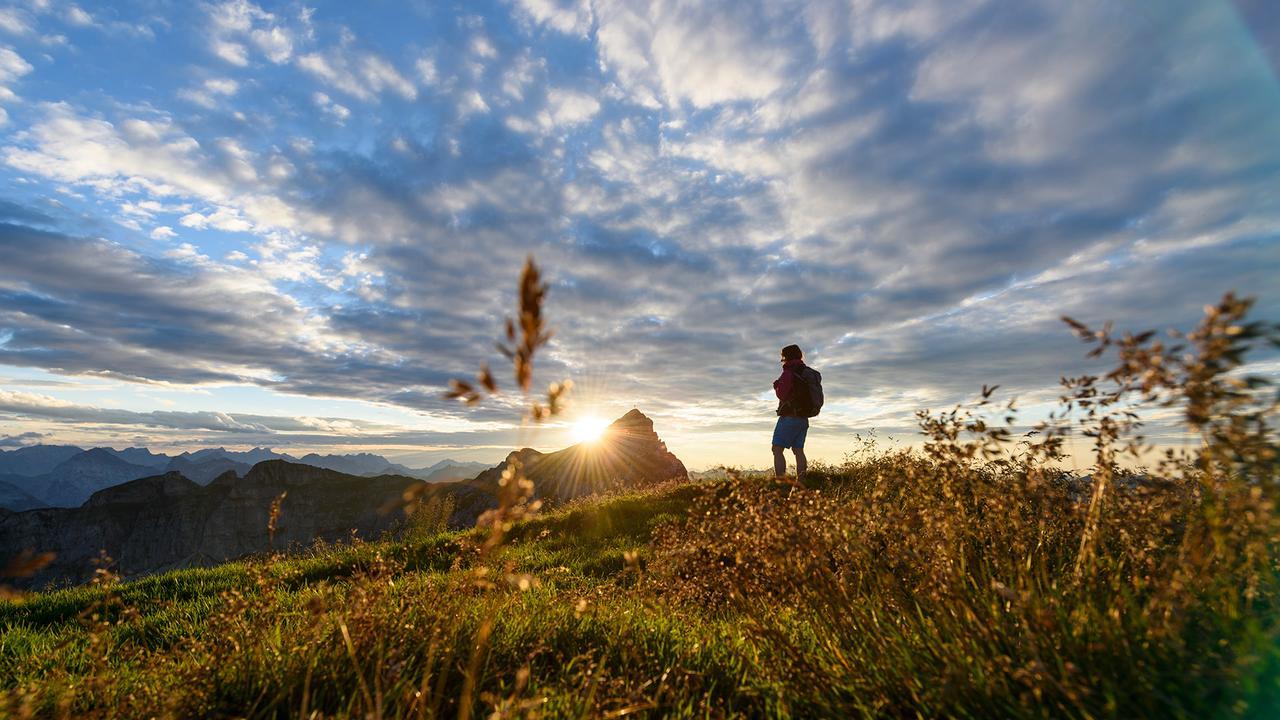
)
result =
(967, 578)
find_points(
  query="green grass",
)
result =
(596, 634)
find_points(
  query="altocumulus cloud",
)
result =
(913, 192)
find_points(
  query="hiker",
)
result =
(799, 391)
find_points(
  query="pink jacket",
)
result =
(783, 385)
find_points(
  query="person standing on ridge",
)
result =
(799, 391)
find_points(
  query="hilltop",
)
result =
(689, 599)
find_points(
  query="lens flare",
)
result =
(589, 429)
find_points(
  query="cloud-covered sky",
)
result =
(229, 223)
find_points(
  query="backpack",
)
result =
(807, 395)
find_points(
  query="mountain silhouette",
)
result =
(65, 476)
(629, 454)
(169, 521)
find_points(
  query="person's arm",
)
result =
(782, 386)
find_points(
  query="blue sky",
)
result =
(285, 224)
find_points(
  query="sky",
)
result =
(289, 225)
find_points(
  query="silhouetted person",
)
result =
(799, 391)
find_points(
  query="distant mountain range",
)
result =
(66, 476)
(166, 521)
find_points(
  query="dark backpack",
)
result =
(806, 393)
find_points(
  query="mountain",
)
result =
(249, 457)
(203, 471)
(13, 497)
(141, 456)
(35, 459)
(66, 485)
(629, 454)
(450, 470)
(169, 521)
(359, 464)
(73, 481)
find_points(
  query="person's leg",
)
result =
(802, 463)
(779, 463)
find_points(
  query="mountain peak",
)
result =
(633, 418)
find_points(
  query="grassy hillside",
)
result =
(744, 612)
(968, 578)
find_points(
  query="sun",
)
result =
(589, 429)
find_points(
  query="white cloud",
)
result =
(155, 157)
(188, 253)
(427, 72)
(379, 73)
(204, 95)
(12, 68)
(232, 52)
(14, 21)
(222, 218)
(76, 16)
(222, 86)
(571, 17)
(482, 47)
(472, 103)
(237, 15)
(569, 107)
(364, 77)
(275, 43)
(164, 232)
(238, 24)
(340, 113)
(704, 54)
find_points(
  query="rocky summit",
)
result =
(629, 454)
(168, 521)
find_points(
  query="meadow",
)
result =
(967, 577)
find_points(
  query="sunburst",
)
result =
(589, 429)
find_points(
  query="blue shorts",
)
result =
(790, 432)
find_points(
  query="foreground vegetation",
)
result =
(968, 578)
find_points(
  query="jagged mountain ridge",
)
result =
(64, 483)
(168, 521)
(35, 459)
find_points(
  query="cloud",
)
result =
(81, 306)
(156, 157)
(364, 76)
(702, 54)
(232, 52)
(337, 111)
(911, 192)
(163, 232)
(238, 24)
(78, 17)
(567, 16)
(569, 107)
(207, 94)
(12, 68)
(22, 440)
(14, 21)
(44, 407)
(276, 43)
